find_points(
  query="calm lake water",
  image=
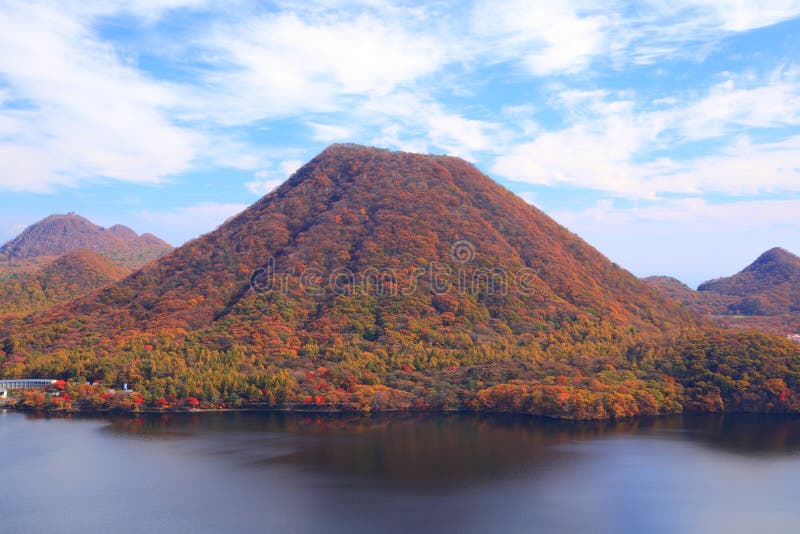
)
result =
(452, 473)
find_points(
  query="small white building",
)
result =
(27, 383)
(794, 337)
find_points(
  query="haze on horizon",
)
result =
(667, 136)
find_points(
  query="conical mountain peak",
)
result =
(366, 260)
(775, 257)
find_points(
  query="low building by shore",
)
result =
(26, 383)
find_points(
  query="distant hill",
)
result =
(768, 286)
(674, 289)
(374, 279)
(75, 273)
(765, 295)
(702, 303)
(58, 234)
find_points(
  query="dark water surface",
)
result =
(453, 473)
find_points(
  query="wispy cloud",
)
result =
(281, 64)
(692, 213)
(690, 238)
(569, 36)
(546, 37)
(181, 223)
(76, 107)
(734, 15)
(74, 110)
(266, 180)
(263, 183)
(329, 133)
(633, 148)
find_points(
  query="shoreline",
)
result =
(342, 412)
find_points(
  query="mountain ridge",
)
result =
(59, 234)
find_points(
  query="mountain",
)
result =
(64, 256)
(375, 280)
(768, 286)
(59, 234)
(764, 296)
(706, 304)
(76, 272)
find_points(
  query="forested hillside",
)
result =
(75, 273)
(381, 280)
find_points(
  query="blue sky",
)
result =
(667, 134)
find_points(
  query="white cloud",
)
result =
(263, 183)
(567, 36)
(266, 181)
(594, 155)
(151, 10)
(611, 144)
(774, 104)
(691, 238)
(328, 133)
(187, 222)
(84, 113)
(584, 159)
(280, 64)
(741, 15)
(692, 28)
(459, 135)
(290, 166)
(743, 168)
(77, 108)
(416, 123)
(692, 213)
(547, 37)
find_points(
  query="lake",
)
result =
(249, 472)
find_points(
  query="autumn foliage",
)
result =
(763, 296)
(75, 273)
(586, 339)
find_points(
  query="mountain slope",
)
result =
(673, 288)
(75, 273)
(59, 234)
(704, 303)
(399, 280)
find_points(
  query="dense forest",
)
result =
(65, 256)
(75, 273)
(377, 280)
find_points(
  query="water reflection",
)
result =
(748, 434)
(436, 451)
(279, 472)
